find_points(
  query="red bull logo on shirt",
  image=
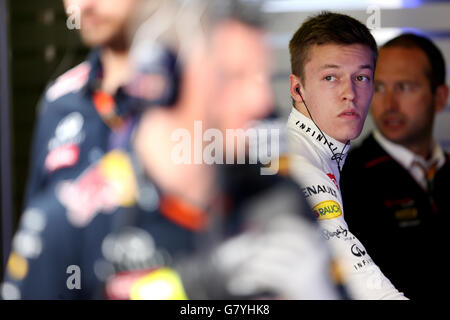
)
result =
(327, 210)
(101, 188)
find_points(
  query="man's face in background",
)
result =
(403, 105)
(104, 22)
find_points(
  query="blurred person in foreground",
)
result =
(80, 108)
(203, 230)
(333, 58)
(395, 183)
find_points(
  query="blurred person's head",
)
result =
(333, 59)
(104, 22)
(232, 74)
(240, 86)
(224, 85)
(410, 89)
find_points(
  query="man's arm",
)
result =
(41, 136)
(58, 130)
(364, 278)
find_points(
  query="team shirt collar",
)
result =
(96, 72)
(406, 157)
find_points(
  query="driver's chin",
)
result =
(349, 136)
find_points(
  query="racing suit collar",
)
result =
(307, 128)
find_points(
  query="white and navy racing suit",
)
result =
(315, 167)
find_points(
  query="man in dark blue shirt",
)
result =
(81, 107)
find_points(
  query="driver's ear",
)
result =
(295, 88)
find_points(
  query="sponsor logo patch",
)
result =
(406, 214)
(68, 130)
(162, 284)
(357, 251)
(64, 146)
(319, 137)
(72, 81)
(101, 188)
(333, 178)
(339, 233)
(327, 210)
(62, 157)
(17, 266)
(362, 263)
(317, 189)
(118, 286)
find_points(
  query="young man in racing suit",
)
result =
(145, 216)
(333, 59)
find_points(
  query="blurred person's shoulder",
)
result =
(66, 92)
(69, 82)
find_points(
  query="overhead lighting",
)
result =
(274, 6)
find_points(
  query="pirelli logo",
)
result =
(327, 210)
